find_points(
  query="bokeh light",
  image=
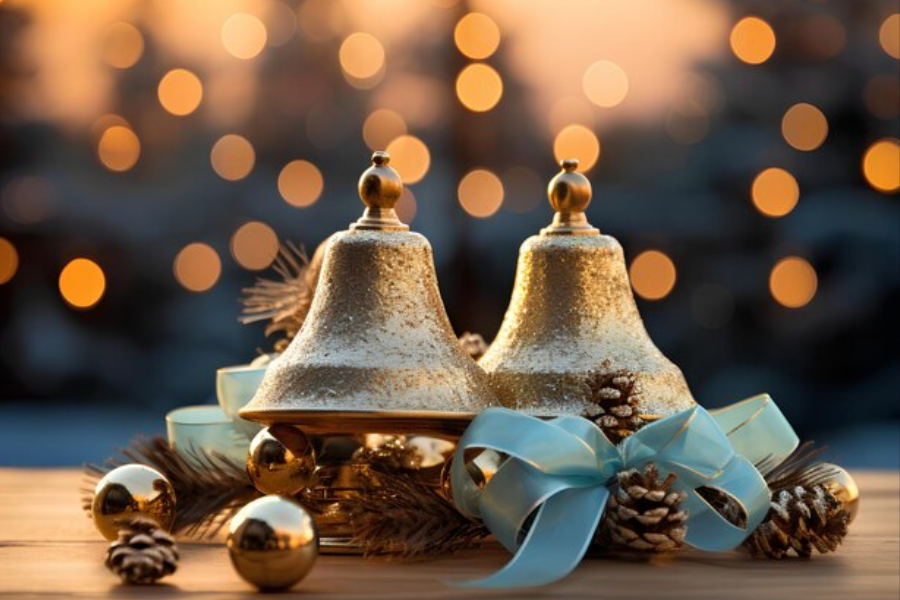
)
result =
(479, 87)
(824, 36)
(362, 58)
(570, 110)
(300, 183)
(410, 157)
(197, 267)
(82, 283)
(605, 83)
(889, 35)
(28, 200)
(9, 260)
(407, 206)
(687, 128)
(244, 36)
(881, 165)
(882, 96)
(577, 141)
(180, 92)
(254, 245)
(232, 157)
(804, 127)
(793, 282)
(119, 148)
(653, 275)
(123, 45)
(775, 192)
(480, 193)
(381, 127)
(752, 40)
(280, 23)
(477, 36)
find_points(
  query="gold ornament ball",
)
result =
(131, 491)
(273, 543)
(844, 488)
(281, 460)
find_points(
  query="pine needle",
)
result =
(400, 517)
(209, 490)
(284, 302)
(801, 467)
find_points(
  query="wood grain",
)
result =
(48, 548)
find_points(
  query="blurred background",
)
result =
(154, 152)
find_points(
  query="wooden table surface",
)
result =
(49, 548)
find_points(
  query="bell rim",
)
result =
(435, 423)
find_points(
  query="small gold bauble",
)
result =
(273, 543)
(843, 487)
(131, 491)
(281, 460)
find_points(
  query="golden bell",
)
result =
(376, 352)
(572, 315)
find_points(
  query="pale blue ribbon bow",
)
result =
(563, 469)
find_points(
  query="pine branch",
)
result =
(800, 468)
(209, 490)
(284, 302)
(403, 518)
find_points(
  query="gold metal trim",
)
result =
(433, 423)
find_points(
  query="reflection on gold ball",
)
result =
(481, 469)
(273, 543)
(130, 491)
(281, 460)
(844, 488)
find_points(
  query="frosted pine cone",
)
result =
(143, 553)
(614, 404)
(644, 514)
(801, 519)
(473, 345)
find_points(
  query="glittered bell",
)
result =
(572, 340)
(376, 353)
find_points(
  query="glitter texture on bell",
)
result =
(377, 352)
(572, 315)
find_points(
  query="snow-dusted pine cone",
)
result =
(644, 513)
(143, 553)
(473, 344)
(613, 404)
(801, 519)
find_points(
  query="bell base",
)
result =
(432, 423)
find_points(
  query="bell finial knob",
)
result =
(380, 187)
(570, 194)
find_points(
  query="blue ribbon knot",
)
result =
(561, 470)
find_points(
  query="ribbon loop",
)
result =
(561, 470)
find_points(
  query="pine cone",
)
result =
(614, 406)
(473, 344)
(143, 553)
(800, 519)
(643, 513)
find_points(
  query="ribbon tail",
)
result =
(558, 539)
